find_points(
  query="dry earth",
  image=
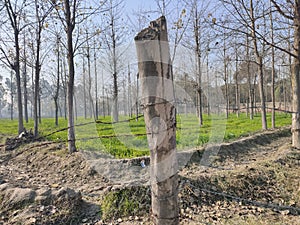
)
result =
(254, 180)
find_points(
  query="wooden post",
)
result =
(155, 73)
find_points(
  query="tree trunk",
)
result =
(250, 92)
(64, 83)
(25, 85)
(115, 75)
(40, 108)
(273, 70)
(158, 99)
(137, 98)
(84, 88)
(237, 93)
(260, 65)
(96, 83)
(11, 97)
(18, 80)
(91, 103)
(226, 92)
(296, 80)
(37, 85)
(57, 83)
(262, 95)
(70, 87)
(199, 66)
(129, 93)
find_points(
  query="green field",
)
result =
(127, 139)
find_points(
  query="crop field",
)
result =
(128, 139)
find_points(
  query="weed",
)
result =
(131, 201)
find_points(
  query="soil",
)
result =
(253, 180)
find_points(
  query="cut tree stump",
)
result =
(157, 100)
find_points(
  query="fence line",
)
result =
(93, 122)
(249, 202)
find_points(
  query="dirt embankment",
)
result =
(254, 180)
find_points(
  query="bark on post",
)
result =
(159, 111)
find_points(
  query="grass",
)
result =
(133, 201)
(128, 139)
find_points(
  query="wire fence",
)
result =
(138, 117)
(293, 210)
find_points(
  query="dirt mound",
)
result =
(45, 185)
(24, 138)
(254, 180)
(41, 206)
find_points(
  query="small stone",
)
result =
(55, 185)
(42, 208)
(32, 220)
(182, 211)
(285, 212)
(187, 210)
(84, 220)
(53, 211)
(136, 218)
(119, 220)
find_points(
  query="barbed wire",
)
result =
(132, 119)
(249, 202)
(248, 108)
(93, 122)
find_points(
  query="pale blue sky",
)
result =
(135, 4)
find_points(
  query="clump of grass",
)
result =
(133, 201)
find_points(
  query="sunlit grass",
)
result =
(128, 139)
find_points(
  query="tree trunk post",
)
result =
(160, 118)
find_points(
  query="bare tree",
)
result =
(42, 11)
(246, 20)
(13, 15)
(113, 38)
(295, 76)
(259, 60)
(273, 67)
(24, 76)
(3, 101)
(72, 13)
(56, 94)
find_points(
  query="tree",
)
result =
(11, 85)
(2, 94)
(273, 67)
(71, 14)
(42, 11)
(160, 118)
(56, 94)
(295, 78)
(70, 22)
(14, 12)
(259, 60)
(113, 38)
(246, 21)
(24, 76)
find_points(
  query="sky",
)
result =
(135, 4)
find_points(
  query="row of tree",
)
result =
(246, 48)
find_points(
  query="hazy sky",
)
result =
(135, 4)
